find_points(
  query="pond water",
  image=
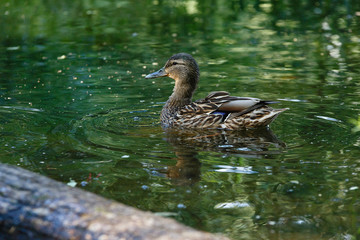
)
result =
(74, 106)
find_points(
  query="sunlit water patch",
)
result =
(231, 169)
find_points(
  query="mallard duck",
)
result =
(217, 110)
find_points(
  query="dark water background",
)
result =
(74, 106)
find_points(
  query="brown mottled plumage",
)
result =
(217, 110)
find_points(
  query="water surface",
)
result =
(74, 105)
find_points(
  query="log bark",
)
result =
(36, 207)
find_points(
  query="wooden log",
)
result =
(36, 207)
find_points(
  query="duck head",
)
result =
(183, 68)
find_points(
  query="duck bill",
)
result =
(160, 73)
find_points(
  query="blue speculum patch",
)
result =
(224, 114)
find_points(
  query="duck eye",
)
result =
(174, 63)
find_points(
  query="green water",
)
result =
(74, 106)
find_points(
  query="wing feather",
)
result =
(222, 101)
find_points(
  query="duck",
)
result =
(218, 110)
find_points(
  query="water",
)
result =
(74, 105)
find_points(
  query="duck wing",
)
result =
(229, 103)
(222, 101)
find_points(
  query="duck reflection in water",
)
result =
(187, 143)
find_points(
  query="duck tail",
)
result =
(269, 118)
